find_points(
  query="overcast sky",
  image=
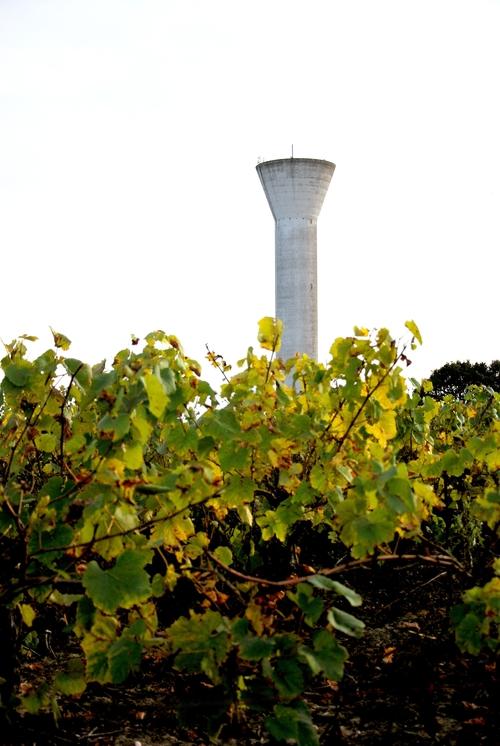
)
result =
(129, 200)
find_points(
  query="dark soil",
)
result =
(406, 683)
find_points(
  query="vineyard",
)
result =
(239, 553)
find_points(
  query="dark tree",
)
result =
(455, 378)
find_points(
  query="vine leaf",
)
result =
(124, 656)
(293, 723)
(270, 331)
(413, 328)
(326, 584)
(346, 623)
(72, 681)
(19, 373)
(122, 586)
(328, 656)
(60, 340)
(156, 394)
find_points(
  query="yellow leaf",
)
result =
(156, 394)
(245, 514)
(426, 494)
(28, 614)
(114, 467)
(413, 328)
(174, 531)
(132, 455)
(254, 615)
(171, 577)
(398, 395)
(361, 331)
(60, 340)
(270, 331)
(385, 428)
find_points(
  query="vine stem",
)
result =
(437, 559)
(63, 406)
(368, 396)
(213, 359)
(29, 422)
(118, 534)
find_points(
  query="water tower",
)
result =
(295, 189)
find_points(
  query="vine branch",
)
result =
(437, 559)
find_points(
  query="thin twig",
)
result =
(427, 582)
(413, 590)
(92, 733)
(275, 342)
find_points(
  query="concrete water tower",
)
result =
(295, 189)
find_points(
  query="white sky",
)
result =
(129, 135)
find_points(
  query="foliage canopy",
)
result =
(160, 515)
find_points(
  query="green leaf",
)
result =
(238, 490)
(82, 372)
(118, 426)
(312, 606)
(292, 723)
(232, 456)
(61, 536)
(256, 648)
(100, 381)
(345, 622)
(224, 555)
(287, 677)
(222, 424)
(122, 586)
(64, 599)
(367, 532)
(168, 378)
(327, 657)
(282, 727)
(201, 642)
(46, 442)
(318, 477)
(400, 495)
(278, 522)
(72, 681)
(85, 613)
(326, 584)
(124, 656)
(153, 489)
(97, 666)
(468, 631)
(19, 374)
